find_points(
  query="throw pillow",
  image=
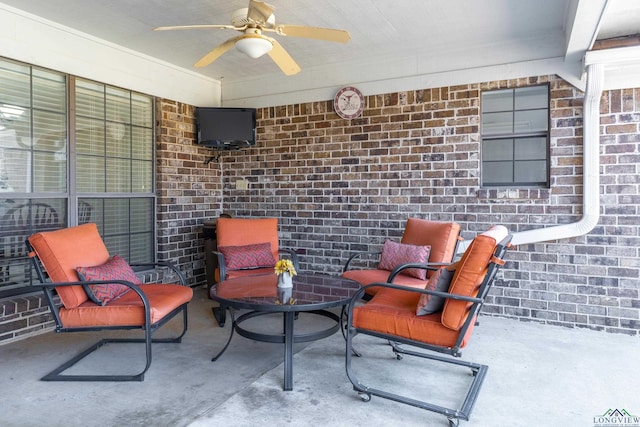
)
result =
(115, 268)
(248, 256)
(395, 254)
(439, 281)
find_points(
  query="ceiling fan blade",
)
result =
(328, 34)
(283, 59)
(259, 12)
(198, 27)
(217, 52)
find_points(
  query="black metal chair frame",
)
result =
(479, 371)
(149, 328)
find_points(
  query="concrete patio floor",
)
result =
(539, 375)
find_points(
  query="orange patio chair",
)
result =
(110, 298)
(247, 247)
(439, 318)
(422, 241)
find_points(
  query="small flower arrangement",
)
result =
(285, 266)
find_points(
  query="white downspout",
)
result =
(591, 169)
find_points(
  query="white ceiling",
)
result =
(390, 39)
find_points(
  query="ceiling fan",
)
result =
(252, 22)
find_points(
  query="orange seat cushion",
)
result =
(393, 312)
(62, 251)
(128, 310)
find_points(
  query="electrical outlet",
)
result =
(242, 184)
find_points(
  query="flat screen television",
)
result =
(226, 128)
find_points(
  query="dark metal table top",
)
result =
(309, 292)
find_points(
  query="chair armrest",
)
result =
(222, 268)
(425, 266)
(48, 286)
(136, 288)
(293, 256)
(447, 295)
(171, 266)
(357, 256)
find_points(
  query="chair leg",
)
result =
(453, 415)
(57, 374)
(344, 324)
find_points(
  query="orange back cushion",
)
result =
(248, 231)
(472, 268)
(62, 251)
(441, 236)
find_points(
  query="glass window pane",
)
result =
(15, 84)
(89, 210)
(50, 172)
(142, 143)
(90, 174)
(90, 136)
(497, 123)
(141, 248)
(119, 175)
(116, 216)
(534, 171)
(49, 91)
(118, 105)
(141, 215)
(497, 149)
(15, 170)
(50, 131)
(497, 100)
(533, 97)
(118, 245)
(497, 172)
(530, 149)
(531, 121)
(142, 179)
(141, 110)
(118, 140)
(528, 115)
(92, 210)
(19, 218)
(89, 99)
(15, 127)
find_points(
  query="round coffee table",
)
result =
(311, 293)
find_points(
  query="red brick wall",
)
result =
(340, 186)
(189, 191)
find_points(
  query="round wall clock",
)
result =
(348, 102)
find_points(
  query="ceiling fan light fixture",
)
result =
(254, 47)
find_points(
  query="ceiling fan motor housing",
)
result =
(239, 18)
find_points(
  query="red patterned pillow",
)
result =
(115, 268)
(395, 254)
(248, 256)
(439, 281)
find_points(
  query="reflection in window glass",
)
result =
(20, 218)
